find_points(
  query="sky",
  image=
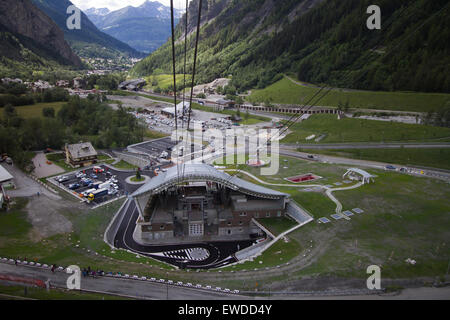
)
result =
(118, 4)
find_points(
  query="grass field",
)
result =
(287, 92)
(280, 253)
(35, 111)
(428, 157)
(164, 81)
(68, 249)
(404, 217)
(152, 135)
(361, 130)
(124, 165)
(277, 225)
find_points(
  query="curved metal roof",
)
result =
(201, 173)
(362, 172)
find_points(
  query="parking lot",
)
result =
(97, 186)
(156, 149)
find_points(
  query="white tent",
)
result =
(5, 176)
(359, 174)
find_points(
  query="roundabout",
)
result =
(144, 180)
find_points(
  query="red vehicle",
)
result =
(98, 170)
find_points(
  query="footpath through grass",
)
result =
(362, 130)
(287, 92)
(428, 157)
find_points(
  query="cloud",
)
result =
(118, 4)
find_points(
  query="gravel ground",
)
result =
(42, 169)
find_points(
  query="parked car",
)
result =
(98, 170)
(86, 182)
(62, 179)
(93, 176)
(80, 175)
(74, 186)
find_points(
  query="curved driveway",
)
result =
(220, 253)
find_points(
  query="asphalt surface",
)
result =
(415, 170)
(121, 176)
(119, 286)
(220, 252)
(367, 146)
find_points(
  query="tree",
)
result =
(48, 112)
(138, 174)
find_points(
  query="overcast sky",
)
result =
(118, 4)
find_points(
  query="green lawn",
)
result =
(405, 217)
(428, 157)
(166, 80)
(35, 111)
(277, 225)
(70, 248)
(361, 130)
(152, 135)
(280, 253)
(124, 165)
(287, 92)
(60, 160)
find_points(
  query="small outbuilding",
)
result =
(359, 175)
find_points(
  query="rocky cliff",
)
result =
(23, 19)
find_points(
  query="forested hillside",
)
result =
(321, 41)
(31, 42)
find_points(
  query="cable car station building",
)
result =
(199, 202)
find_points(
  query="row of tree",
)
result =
(79, 119)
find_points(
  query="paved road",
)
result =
(134, 288)
(367, 146)
(27, 187)
(428, 172)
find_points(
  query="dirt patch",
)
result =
(46, 218)
(44, 169)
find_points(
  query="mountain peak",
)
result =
(97, 11)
